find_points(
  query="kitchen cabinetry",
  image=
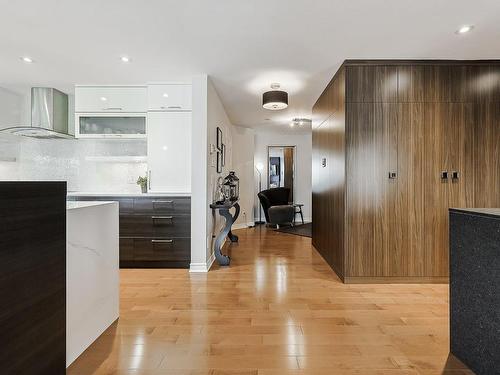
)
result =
(169, 152)
(155, 230)
(169, 97)
(107, 125)
(114, 99)
(420, 137)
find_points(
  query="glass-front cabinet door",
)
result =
(110, 126)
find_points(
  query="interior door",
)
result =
(169, 152)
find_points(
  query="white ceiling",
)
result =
(244, 45)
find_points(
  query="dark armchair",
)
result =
(276, 206)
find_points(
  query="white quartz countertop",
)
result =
(84, 204)
(121, 194)
(485, 211)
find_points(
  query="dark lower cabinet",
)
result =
(33, 278)
(155, 231)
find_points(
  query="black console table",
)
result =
(223, 209)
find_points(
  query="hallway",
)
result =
(278, 309)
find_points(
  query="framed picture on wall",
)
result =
(219, 162)
(223, 152)
(219, 139)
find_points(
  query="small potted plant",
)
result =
(143, 183)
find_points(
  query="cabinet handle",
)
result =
(162, 241)
(174, 107)
(113, 109)
(455, 175)
(171, 218)
(162, 202)
(444, 175)
(392, 175)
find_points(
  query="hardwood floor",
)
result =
(278, 309)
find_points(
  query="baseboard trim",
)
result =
(202, 267)
(243, 225)
(396, 280)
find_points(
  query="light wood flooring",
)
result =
(278, 309)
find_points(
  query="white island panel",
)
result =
(92, 277)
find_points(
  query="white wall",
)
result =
(243, 165)
(208, 114)
(216, 117)
(303, 164)
(199, 171)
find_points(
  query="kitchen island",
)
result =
(475, 288)
(92, 269)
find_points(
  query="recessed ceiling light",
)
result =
(125, 59)
(165, 95)
(103, 98)
(464, 29)
(27, 59)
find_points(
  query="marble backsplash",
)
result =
(86, 164)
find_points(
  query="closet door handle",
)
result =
(444, 175)
(113, 109)
(393, 175)
(455, 175)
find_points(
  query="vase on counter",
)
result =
(144, 189)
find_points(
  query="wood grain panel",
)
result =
(486, 169)
(368, 84)
(329, 180)
(361, 174)
(410, 192)
(438, 153)
(33, 278)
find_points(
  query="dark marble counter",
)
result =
(475, 288)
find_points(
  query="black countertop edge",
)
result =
(475, 212)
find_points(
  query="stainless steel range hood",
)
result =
(49, 116)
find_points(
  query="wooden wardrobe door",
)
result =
(389, 255)
(371, 214)
(461, 143)
(360, 210)
(438, 154)
(486, 168)
(410, 190)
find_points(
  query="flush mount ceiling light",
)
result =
(275, 99)
(125, 59)
(27, 59)
(464, 29)
(300, 122)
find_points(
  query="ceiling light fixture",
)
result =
(275, 99)
(125, 59)
(300, 121)
(464, 29)
(165, 95)
(27, 59)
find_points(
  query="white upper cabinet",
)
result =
(169, 152)
(111, 99)
(169, 97)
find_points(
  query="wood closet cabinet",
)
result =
(395, 144)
